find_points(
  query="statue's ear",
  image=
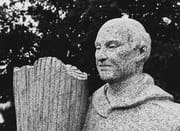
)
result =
(143, 50)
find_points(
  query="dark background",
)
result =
(70, 37)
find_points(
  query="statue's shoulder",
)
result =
(99, 92)
(170, 107)
(166, 113)
(161, 114)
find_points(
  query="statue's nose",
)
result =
(101, 55)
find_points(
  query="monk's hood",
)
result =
(146, 91)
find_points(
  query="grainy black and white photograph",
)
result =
(89, 65)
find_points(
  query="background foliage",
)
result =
(66, 29)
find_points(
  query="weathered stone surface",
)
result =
(47, 98)
(129, 101)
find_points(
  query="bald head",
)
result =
(126, 30)
(122, 47)
(124, 24)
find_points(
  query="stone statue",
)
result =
(129, 101)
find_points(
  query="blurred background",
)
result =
(66, 29)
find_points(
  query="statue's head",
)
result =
(122, 48)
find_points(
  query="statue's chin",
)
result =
(110, 77)
(107, 78)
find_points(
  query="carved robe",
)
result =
(149, 109)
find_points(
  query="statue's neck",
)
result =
(125, 87)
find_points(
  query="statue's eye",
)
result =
(98, 47)
(112, 45)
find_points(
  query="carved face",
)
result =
(115, 53)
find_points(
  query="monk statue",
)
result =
(130, 100)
